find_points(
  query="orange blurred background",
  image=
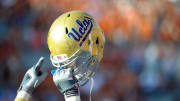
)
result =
(141, 56)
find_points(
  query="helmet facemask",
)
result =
(84, 65)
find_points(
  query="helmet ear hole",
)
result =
(97, 41)
(89, 42)
(68, 15)
(66, 30)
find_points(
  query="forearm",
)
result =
(73, 98)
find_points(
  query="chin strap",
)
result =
(91, 88)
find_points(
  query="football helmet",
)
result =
(76, 41)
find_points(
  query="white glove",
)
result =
(67, 84)
(32, 79)
(64, 79)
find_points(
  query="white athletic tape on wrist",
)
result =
(23, 94)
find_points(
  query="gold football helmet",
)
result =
(76, 41)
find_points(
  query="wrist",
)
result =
(23, 95)
(71, 92)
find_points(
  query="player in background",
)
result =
(76, 44)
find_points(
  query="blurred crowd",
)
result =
(141, 56)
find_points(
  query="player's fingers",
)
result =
(39, 64)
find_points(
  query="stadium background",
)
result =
(141, 58)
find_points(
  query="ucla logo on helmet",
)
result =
(83, 31)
